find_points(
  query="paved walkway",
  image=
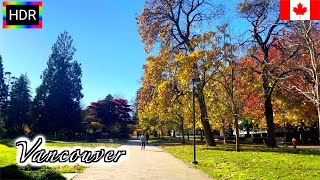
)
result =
(306, 147)
(152, 163)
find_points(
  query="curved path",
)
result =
(151, 163)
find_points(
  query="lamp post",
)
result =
(194, 82)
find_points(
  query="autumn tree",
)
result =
(111, 115)
(90, 117)
(227, 78)
(148, 111)
(219, 112)
(173, 103)
(263, 15)
(306, 79)
(171, 24)
(122, 111)
(231, 86)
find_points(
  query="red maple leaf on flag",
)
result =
(300, 10)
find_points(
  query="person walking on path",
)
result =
(147, 137)
(143, 141)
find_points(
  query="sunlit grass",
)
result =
(254, 162)
(7, 155)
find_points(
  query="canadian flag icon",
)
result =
(300, 9)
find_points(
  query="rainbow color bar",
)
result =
(4, 25)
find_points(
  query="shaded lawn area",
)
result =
(8, 159)
(253, 162)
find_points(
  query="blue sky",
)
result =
(105, 36)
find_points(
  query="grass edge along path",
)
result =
(254, 162)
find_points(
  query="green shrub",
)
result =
(69, 169)
(29, 172)
(12, 172)
(249, 140)
(2, 129)
(44, 173)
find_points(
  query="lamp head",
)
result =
(195, 81)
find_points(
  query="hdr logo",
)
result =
(22, 14)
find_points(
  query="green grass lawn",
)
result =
(253, 162)
(91, 145)
(8, 153)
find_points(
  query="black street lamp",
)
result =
(194, 82)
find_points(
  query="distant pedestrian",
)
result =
(143, 141)
(294, 142)
(138, 135)
(147, 137)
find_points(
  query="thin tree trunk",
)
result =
(235, 110)
(224, 135)
(237, 132)
(182, 130)
(162, 134)
(314, 63)
(271, 141)
(318, 108)
(316, 87)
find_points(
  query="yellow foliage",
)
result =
(96, 125)
(27, 129)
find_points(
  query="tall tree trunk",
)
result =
(268, 111)
(182, 129)
(316, 88)
(318, 108)
(188, 136)
(204, 118)
(271, 141)
(162, 134)
(315, 69)
(224, 135)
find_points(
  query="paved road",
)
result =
(151, 163)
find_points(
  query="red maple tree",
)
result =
(300, 10)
